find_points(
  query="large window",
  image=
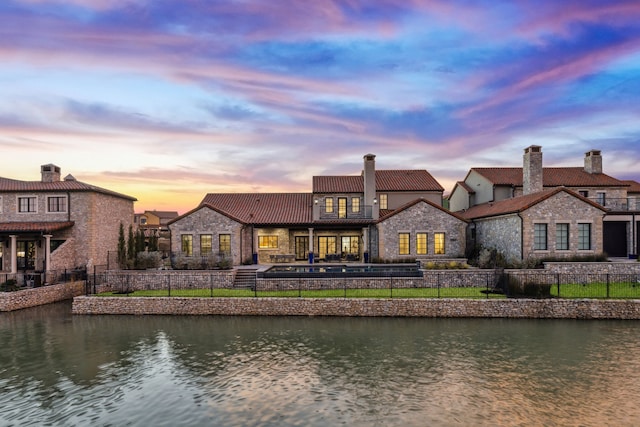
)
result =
(205, 244)
(403, 244)
(224, 244)
(383, 201)
(26, 204)
(326, 245)
(562, 237)
(584, 236)
(438, 244)
(350, 244)
(268, 242)
(421, 244)
(342, 207)
(56, 204)
(355, 204)
(328, 205)
(187, 244)
(540, 237)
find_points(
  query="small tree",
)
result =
(122, 248)
(153, 242)
(131, 248)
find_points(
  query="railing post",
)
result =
(169, 285)
(391, 286)
(487, 283)
(558, 283)
(607, 285)
(438, 283)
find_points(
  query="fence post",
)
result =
(211, 283)
(487, 283)
(169, 285)
(299, 288)
(438, 283)
(391, 286)
(558, 283)
(607, 285)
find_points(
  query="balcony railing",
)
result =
(628, 204)
(364, 212)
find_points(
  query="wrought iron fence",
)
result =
(35, 279)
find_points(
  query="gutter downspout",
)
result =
(521, 237)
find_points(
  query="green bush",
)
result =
(10, 285)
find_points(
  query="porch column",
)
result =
(47, 252)
(14, 254)
(310, 245)
(365, 243)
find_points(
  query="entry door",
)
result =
(26, 254)
(302, 247)
(615, 238)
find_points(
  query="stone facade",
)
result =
(10, 301)
(363, 307)
(502, 233)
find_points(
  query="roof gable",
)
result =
(389, 214)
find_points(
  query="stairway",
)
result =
(245, 279)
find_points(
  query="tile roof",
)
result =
(12, 186)
(519, 204)
(34, 227)
(551, 177)
(634, 186)
(262, 208)
(386, 180)
(388, 214)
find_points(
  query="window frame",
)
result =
(422, 243)
(206, 248)
(383, 199)
(328, 205)
(540, 236)
(186, 244)
(440, 243)
(62, 204)
(342, 207)
(355, 204)
(29, 205)
(562, 236)
(224, 243)
(268, 241)
(404, 243)
(585, 226)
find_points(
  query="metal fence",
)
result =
(434, 284)
(35, 279)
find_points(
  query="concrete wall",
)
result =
(357, 307)
(10, 301)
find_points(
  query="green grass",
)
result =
(620, 290)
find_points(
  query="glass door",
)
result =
(302, 247)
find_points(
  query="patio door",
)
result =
(302, 247)
(26, 254)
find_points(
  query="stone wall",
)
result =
(361, 307)
(10, 301)
(131, 280)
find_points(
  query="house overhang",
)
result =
(31, 228)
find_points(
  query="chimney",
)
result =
(593, 161)
(370, 183)
(532, 170)
(50, 173)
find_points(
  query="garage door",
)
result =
(615, 238)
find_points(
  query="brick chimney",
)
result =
(532, 170)
(50, 173)
(593, 161)
(370, 183)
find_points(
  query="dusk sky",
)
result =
(167, 100)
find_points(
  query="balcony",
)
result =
(364, 212)
(629, 204)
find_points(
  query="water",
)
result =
(62, 370)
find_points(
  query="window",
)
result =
(383, 201)
(438, 244)
(403, 244)
(583, 193)
(540, 237)
(56, 204)
(268, 242)
(584, 237)
(224, 244)
(342, 207)
(421, 243)
(26, 204)
(350, 244)
(187, 244)
(328, 205)
(326, 245)
(601, 198)
(205, 244)
(355, 204)
(562, 237)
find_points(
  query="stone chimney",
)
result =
(50, 173)
(593, 161)
(532, 170)
(370, 184)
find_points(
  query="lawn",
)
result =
(619, 290)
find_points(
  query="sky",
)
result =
(167, 100)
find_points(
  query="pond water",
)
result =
(63, 370)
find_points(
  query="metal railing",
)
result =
(624, 204)
(35, 279)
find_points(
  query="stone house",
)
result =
(155, 223)
(620, 228)
(54, 224)
(342, 219)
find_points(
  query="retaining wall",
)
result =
(357, 307)
(10, 301)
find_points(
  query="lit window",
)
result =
(540, 237)
(421, 243)
(187, 244)
(355, 204)
(56, 204)
(562, 237)
(224, 245)
(26, 204)
(584, 237)
(327, 245)
(328, 205)
(438, 244)
(268, 242)
(342, 207)
(205, 244)
(403, 244)
(383, 201)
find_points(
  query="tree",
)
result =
(122, 248)
(131, 248)
(153, 241)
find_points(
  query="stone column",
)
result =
(310, 245)
(365, 243)
(14, 255)
(47, 252)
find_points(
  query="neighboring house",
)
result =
(155, 223)
(389, 214)
(550, 223)
(55, 224)
(484, 185)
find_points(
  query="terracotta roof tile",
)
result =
(551, 177)
(388, 213)
(634, 186)
(34, 227)
(13, 186)
(386, 180)
(262, 208)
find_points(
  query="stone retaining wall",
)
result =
(10, 301)
(357, 307)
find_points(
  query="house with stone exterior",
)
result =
(154, 223)
(55, 224)
(617, 197)
(378, 214)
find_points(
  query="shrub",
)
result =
(10, 285)
(519, 289)
(146, 260)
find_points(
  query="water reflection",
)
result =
(60, 369)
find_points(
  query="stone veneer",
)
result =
(10, 301)
(361, 307)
